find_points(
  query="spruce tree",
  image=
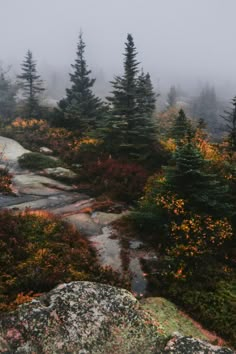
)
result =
(172, 97)
(190, 178)
(81, 106)
(124, 92)
(180, 128)
(230, 118)
(134, 128)
(146, 97)
(31, 85)
(7, 97)
(205, 106)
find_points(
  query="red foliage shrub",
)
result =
(120, 180)
(5, 181)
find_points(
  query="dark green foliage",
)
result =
(124, 93)
(80, 108)
(192, 181)
(130, 120)
(35, 161)
(32, 87)
(230, 118)
(172, 97)
(7, 97)
(146, 97)
(5, 181)
(209, 297)
(181, 129)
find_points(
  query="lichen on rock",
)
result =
(86, 317)
(81, 316)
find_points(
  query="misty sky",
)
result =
(178, 41)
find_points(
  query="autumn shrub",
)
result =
(194, 269)
(70, 146)
(120, 180)
(36, 161)
(209, 296)
(39, 251)
(5, 181)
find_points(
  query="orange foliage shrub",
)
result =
(39, 251)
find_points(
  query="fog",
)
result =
(181, 42)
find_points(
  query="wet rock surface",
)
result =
(85, 224)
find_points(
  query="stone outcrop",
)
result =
(187, 345)
(62, 172)
(11, 149)
(85, 317)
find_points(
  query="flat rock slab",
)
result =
(106, 218)
(59, 172)
(49, 203)
(11, 149)
(38, 185)
(7, 201)
(84, 223)
(82, 203)
(108, 248)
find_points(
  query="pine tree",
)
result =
(31, 85)
(146, 97)
(230, 118)
(7, 97)
(172, 97)
(81, 106)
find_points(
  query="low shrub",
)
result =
(39, 251)
(5, 181)
(209, 297)
(119, 180)
(36, 161)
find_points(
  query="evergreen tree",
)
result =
(181, 128)
(172, 97)
(205, 106)
(7, 97)
(190, 179)
(230, 118)
(31, 85)
(124, 92)
(81, 106)
(146, 97)
(134, 127)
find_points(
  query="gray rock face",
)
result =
(80, 317)
(85, 224)
(186, 345)
(59, 172)
(85, 317)
(11, 149)
(45, 150)
(38, 185)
